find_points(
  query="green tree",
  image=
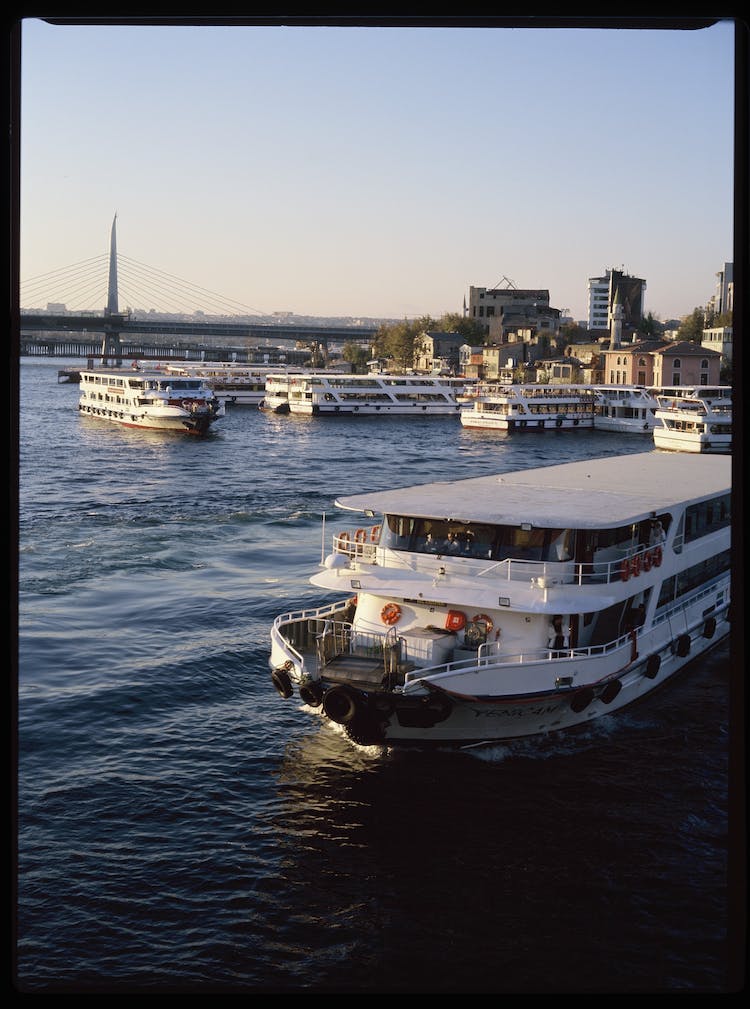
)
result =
(356, 355)
(649, 326)
(691, 326)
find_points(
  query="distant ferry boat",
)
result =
(513, 605)
(233, 384)
(149, 399)
(331, 394)
(532, 407)
(696, 420)
(624, 408)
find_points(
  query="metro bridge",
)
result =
(121, 330)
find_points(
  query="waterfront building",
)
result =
(510, 313)
(661, 363)
(719, 339)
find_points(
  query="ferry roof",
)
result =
(594, 493)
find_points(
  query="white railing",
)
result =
(361, 545)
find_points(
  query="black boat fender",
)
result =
(682, 645)
(311, 693)
(709, 628)
(282, 681)
(341, 704)
(611, 691)
(652, 666)
(581, 699)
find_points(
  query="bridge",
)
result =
(127, 333)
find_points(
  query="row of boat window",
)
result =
(694, 577)
(518, 542)
(384, 397)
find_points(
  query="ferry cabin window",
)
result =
(707, 516)
(694, 577)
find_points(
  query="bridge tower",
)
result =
(111, 347)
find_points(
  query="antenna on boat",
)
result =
(323, 540)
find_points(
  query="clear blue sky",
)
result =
(379, 171)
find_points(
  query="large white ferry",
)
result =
(149, 399)
(509, 606)
(628, 409)
(332, 394)
(699, 420)
(532, 407)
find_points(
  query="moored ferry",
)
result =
(698, 420)
(233, 384)
(152, 400)
(515, 605)
(532, 407)
(628, 409)
(332, 394)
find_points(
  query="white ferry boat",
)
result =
(233, 384)
(532, 407)
(276, 393)
(699, 421)
(149, 399)
(332, 394)
(628, 409)
(515, 605)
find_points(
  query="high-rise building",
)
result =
(630, 293)
(723, 299)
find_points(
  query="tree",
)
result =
(649, 326)
(356, 355)
(691, 326)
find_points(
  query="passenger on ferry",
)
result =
(558, 638)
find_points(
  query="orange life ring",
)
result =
(635, 565)
(374, 534)
(625, 570)
(343, 539)
(455, 620)
(390, 614)
(360, 536)
(482, 618)
(647, 561)
(657, 556)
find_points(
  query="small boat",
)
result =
(699, 421)
(331, 394)
(628, 409)
(516, 605)
(151, 400)
(532, 407)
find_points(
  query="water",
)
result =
(182, 828)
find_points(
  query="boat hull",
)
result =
(478, 419)
(449, 715)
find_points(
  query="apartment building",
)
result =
(605, 291)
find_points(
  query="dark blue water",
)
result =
(182, 828)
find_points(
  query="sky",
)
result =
(380, 172)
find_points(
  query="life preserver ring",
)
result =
(455, 620)
(625, 570)
(482, 618)
(635, 565)
(647, 561)
(390, 614)
(360, 536)
(657, 556)
(374, 534)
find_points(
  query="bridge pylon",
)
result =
(111, 346)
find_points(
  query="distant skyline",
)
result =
(381, 172)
